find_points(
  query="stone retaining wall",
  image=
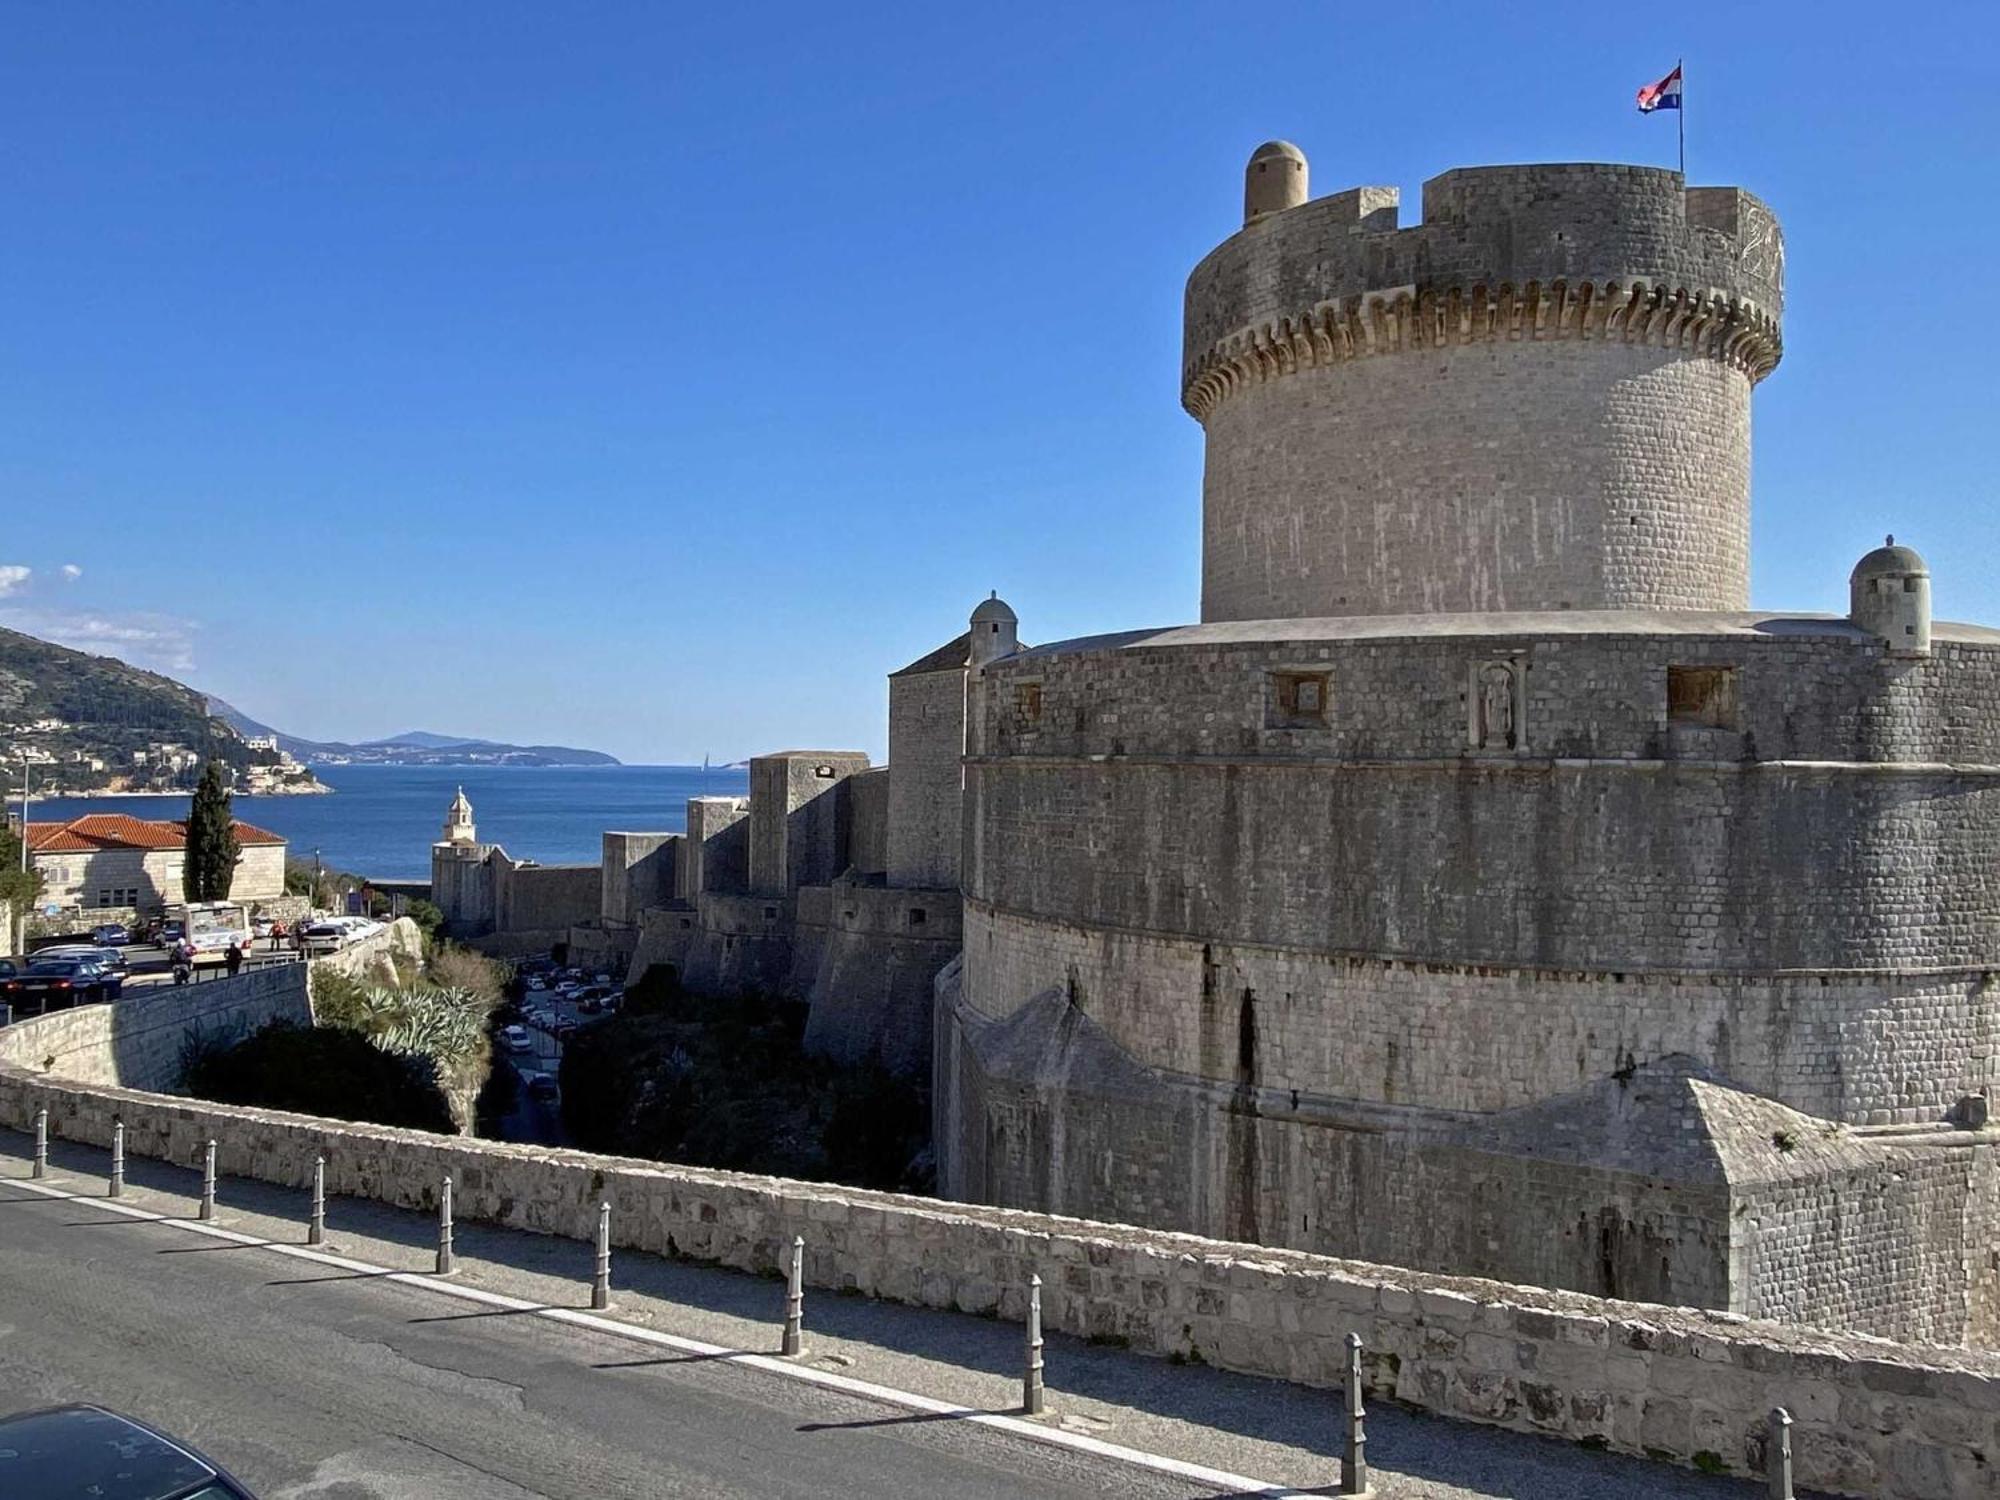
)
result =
(1873, 1418)
(137, 1042)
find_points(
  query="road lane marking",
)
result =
(1075, 1442)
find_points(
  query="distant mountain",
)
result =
(419, 747)
(96, 724)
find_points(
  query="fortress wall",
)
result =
(638, 871)
(544, 899)
(1900, 1247)
(717, 847)
(800, 818)
(1877, 1419)
(1545, 476)
(864, 959)
(1597, 866)
(739, 945)
(926, 740)
(1040, 1112)
(1744, 1205)
(1812, 688)
(1485, 1037)
(871, 795)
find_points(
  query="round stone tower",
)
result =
(1538, 398)
(1889, 595)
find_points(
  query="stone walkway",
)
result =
(1279, 1433)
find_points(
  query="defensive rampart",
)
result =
(1873, 1418)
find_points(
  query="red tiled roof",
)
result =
(95, 831)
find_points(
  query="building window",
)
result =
(1027, 704)
(1702, 695)
(770, 914)
(916, 916)
(1299, 697)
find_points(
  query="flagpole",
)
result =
(1681, 117)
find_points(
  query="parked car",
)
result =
(515, 1038)
(59, 983)
(111, 958)
(169, 933)
(67, 1452)
(543, 1086)
(111, 934)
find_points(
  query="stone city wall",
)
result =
(543, 901)
(1655, 1185)
(1624, 901)
(638, 870)
(864, 960)
(926, 741)
(1902, 1423)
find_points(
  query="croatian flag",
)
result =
(1666, 94)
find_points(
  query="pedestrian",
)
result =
(234, 959)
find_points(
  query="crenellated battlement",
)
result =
(1706, 265)
(1536, 398)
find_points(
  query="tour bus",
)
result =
(213, 927)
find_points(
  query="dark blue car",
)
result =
(88, 1453)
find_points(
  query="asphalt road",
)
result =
(316, 1384)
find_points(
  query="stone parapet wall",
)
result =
(1876, 1419)
(137, 1042)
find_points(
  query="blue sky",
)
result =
(658, 377)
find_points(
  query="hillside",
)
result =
(93, 723)
(418, 747)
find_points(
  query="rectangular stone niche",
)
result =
(1706, 696)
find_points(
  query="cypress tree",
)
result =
(212, 850)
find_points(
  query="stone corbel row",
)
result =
(1712, 324)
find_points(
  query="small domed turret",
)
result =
(995, 631)
(1274, 181)
(1889, 595)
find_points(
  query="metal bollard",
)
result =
(1031, 1381)
(41, 1167)
(1354, 1460)
(795, 1299)
(600, 1282)
(316, 1226)
(1778, 1455)
(117, 1188)
(208, 1183)
(447, 1262)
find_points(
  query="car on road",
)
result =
(516, 1038)
(170, 932)
(260, 927)
(74, 1452)
(112, 958)
(59, 983)
(111, 934)
(543, 1086)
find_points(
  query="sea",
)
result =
(380, 821)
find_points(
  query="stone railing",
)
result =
(1872, 1418)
